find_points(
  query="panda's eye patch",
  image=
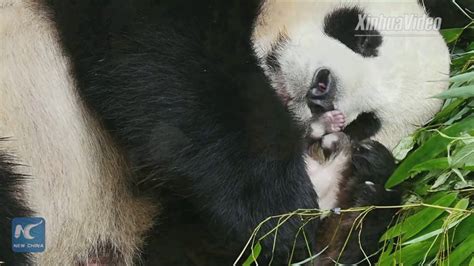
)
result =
(350, 27)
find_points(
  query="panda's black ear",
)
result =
(451, 16)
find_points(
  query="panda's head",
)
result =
(323, 55)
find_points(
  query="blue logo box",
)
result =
(28, 234)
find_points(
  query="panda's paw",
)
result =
(333, 121)
(372, 162)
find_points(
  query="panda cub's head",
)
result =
(324, 55)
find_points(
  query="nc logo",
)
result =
(28, 234)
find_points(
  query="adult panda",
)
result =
(56, 161)
(178, 85)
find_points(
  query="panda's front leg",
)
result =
(372, 165)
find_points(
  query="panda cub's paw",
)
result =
(329, 122)
(333, 121)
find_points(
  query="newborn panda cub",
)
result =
(335, 164)
(331, 152)
(347, 173)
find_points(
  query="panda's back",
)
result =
(74, 174)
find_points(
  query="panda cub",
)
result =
(349, 173)
(334, 155)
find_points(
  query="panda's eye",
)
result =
(342, 25)
(368, 44)
(364, 42)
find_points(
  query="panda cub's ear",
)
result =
(350, 26)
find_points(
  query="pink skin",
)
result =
(333, 121)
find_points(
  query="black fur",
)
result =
(177, 84)
(451, 15)
(365, 126)
(342, 25)
(10, 207)
(373, 164)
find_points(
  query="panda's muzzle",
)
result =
(320, 95)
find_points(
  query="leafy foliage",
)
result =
(438, 173)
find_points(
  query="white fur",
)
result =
(77, 178)
(326, 178)
(318, 129)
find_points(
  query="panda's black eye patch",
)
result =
(350, 26)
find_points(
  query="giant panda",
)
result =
(202, 107)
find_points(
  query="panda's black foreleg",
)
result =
(372, 164)
(10, 207)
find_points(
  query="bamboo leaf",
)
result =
(433, 233)
(463, 156)
(462, 252)
(417, 222)
(461, 78)
(464, 229)
(257, 249)
(441, 180)
(403, 148)
(434, 146)
(434, 164)
(409, 255)
(459, 92)
(451, 35)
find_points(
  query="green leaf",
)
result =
(462, 252)
(455, 117)
(463, 156)
(256, 250)
(432, 233)
(463, 185)
(434, 164)
(447, 110)
(459, 92)
(462, 204)
(403, 148)
(464, 229)
(461, 78)
(410, 255)
(431, 148)
(385, 256)
(415, 223)
(441, 180)
(451, 35)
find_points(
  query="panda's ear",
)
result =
(451, 16)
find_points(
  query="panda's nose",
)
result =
(320, 85)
